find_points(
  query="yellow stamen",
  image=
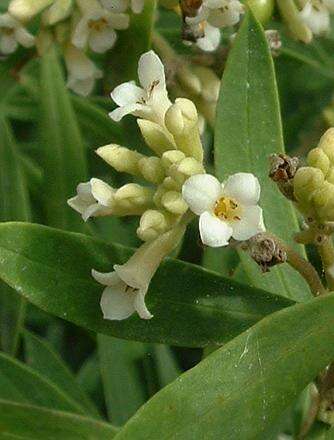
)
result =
(227, 209)
(98, 25)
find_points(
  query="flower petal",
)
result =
(140, 306)
(244, 187)
(151, 71)
(116, 304)
(201, 192)
(211, 40)
(8, 44)
(102, 192)
(78, 204)
(81, 34)
(103, 40)
(118, 21)
(251, 223)
(106, 278)
(137, 6)
(24, 37)
(316, 18)
(120, 112)
(214, 232)
(127, 93)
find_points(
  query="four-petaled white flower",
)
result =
(12, 33)
(150, 101)
(316, 15)
(94, 198)
(97, 29)
(123, 5)
(82, 72)
(226, 210)
(219, 13)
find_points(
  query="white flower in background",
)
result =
(150, 101)
(94, 198)
(211, 38)
(218, 13)
(316, 15)
(97, 29)
(128, 284)
(82, 72)
(123, 5)
(226, 210)
(12, 33)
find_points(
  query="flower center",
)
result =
(7, 30)
(98, 25)
(227, 209)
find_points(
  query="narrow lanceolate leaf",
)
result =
(191, 306)
(21, 383)
(27, 422)
(241, 390)
(42, 358)
(122, 375)
(14, 205)
(63, 152)
(248, 129)
(166, 364)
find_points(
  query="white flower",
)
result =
(150, 101)
(211, 38)
(123, 5)
(94, 198)
(97, 29)
(316, 16)
(12, 33)
(218, 13)
(82, 72)
(128, 284)
(226, 210)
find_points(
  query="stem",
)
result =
(326, 251)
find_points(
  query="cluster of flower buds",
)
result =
(314, 184)
(79, 26)
(176, 185)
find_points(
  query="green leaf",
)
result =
(166, 364)
(29, 422)
(192, 307)
(248, 130)
(14, 205)
(63, 152)
(241, 390)
(21, 383)
(43, 359)
(123, 383)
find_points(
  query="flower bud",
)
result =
(121, 158)
(210, 83)
(174, 203)
(330, 175)
(132, 196)
(152, 224)
(323, 201)
(317, 158)
(152, 169)
(25, 10)
(187, 167)
(326, 143)
(158, 139)
(172, 157)
(181, 120)
(170, 184)
(189, 81)
(306, 181)
(262, 9)
(59, 11)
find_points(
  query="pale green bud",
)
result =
(156, 137)
(291, 16)
(59, 11)
(306, 181)
(187, 167)
(330, 175)
(323, 201)
(121, 158)
(326, 143)
(160, 191)
(152, 169)
(170, 184)
(181, 120)
(132, 196)
(152, 224)
(210, 83)
(189, 81)
(25, 10)
(172, 157)
(317, 158)
(174, 203)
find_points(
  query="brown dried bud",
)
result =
(265, 251)
(190, 8)
(282, 171)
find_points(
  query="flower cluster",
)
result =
(80, 26)
(316, 15)
(210, 18)
(314, 184)
(176, 181)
